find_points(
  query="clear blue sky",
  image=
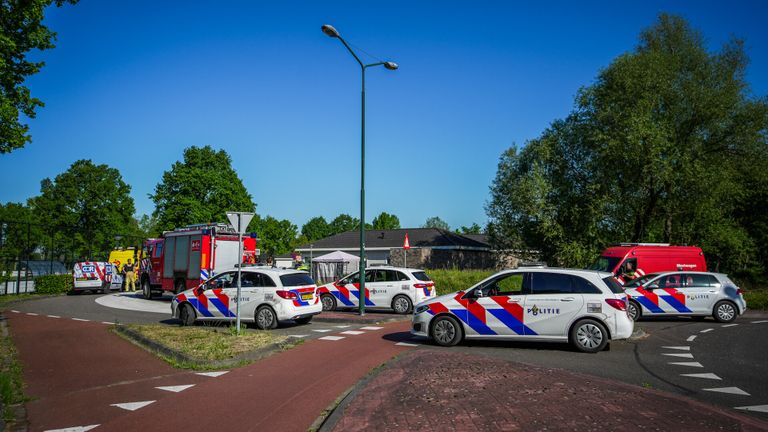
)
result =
(132, 83)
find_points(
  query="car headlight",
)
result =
(422, 308)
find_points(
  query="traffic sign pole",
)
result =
(239, 221)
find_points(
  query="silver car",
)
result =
(697, 294)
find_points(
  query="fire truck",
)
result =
(186, 257)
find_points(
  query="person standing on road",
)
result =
(130, 277)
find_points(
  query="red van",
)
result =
(649, 258)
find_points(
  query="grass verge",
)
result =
(7, 299)
(757, 299)
(11, 382)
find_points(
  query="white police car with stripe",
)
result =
(268, 296)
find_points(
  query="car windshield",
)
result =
(634, 283)
(605, 264)
(296, 279)
(420, 275)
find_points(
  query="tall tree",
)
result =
(88, 205)
(316, 228)
(386, 221)
(343, 223)
(436, 222)
(663, 147)
(21, 31)
(200, 189)
(472, 229)
(275, 236)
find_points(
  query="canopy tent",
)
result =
(333, 266)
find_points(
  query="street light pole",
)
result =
(332, 32)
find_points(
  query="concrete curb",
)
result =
(158, 348)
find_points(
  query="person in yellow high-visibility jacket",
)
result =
(130, 276)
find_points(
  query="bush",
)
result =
(757, 299)
(448, 281)
(53, 284)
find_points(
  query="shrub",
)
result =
(448, 281)
(53, 284)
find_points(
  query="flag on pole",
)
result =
(406, 243)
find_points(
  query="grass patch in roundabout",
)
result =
(205, 348)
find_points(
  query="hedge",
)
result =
(448, 281)
(53, 284)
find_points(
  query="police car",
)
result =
(697, 294)
(268, 295)
(385, 287)
(583, 307)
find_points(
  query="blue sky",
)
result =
(131, 84)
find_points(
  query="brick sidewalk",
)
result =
(461, 392)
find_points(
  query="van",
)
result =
(648, 258)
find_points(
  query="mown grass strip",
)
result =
(11, 380)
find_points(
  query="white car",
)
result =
(268, 296)
(385, 287)
(583, 307)
(697, 294)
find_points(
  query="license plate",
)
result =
(306, 296)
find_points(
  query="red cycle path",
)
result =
(76, 370)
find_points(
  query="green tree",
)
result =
(316, 228)
(436, 222)
(386, 221)
(87, 205)
(662, 147)
(201, 189)
(19, 233)
(343, 223)
(276, 236)
(21, 31)
(472, 229)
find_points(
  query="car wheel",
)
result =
(446, 331)
(401, 304)
(265, 318)
(304, 320)
(634, 310)
(329, 303)
(589, 336)
(724, 311)
(146, 289)
(187, 315)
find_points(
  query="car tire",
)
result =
(402, 304)
(302, 321)
(329, 302)
(725, 311)
(446, 331)
(634, 310)
(187, 315)
(146, 289)
(589, 336)
(265, 319)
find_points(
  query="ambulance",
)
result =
(646, 258)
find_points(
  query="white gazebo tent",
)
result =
(333, 266)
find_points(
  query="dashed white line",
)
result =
(332, 338)
(75, 428)
(706, 330)
(681, 348)
(729, 390)
(107, 323)
(689, 364)
(342, 326)
(690, 356)
(133, 406)
(406, 344)
(53, 316)
(371, 328)
(298, 336)
(690, 338)
(758, 408)
(79, 319)
(730, 325)
(15, 311)
(759, 322)
(703, 376)
(175, 389)
(31, 314)
(352, 332)
(212, 374)
(322, 330)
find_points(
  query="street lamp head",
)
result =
(330, 31)
(390, 65)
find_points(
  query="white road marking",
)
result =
(212, 374)
(690, 364)
(332, 338)
(322, 330)
(758, 408)
(31, 314)
(79, 319)
(681, 348)
(730, 325)
(15, 311)
(342, 326)
(75, 429)
(690, 338)
(759, 322)
(175, 389)
(729, 390)
(690, 356)
(702, 375)
(133, 406)
(298, 336)
(371, 328)
(352, 332)
(706, 330)
(53, 316)
(406, 344)
(107, 323)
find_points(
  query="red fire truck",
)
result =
(186, 257)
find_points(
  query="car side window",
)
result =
(693, 280)
(583, 286)
(223, 280)
(550, 283)
(265, 281)
(505, 285)
(250, 280)
(670, 281)
(381, 276)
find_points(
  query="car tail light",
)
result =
(617, 304)
(288, 295)
(739, 291)
(423, 285)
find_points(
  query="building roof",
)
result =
(387, 239)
